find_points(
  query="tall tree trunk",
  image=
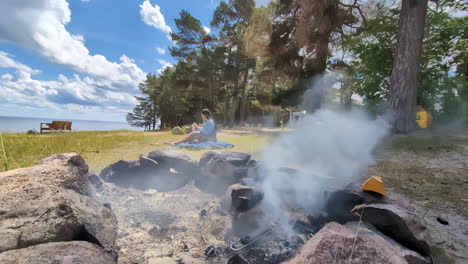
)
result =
(226, 110)
(237, 90)
(243, 102)
(346, 95)
(401, 104)
(233, 110)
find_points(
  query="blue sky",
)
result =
(83, 59)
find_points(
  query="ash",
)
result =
(166, 227)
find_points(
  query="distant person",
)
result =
(200, 134)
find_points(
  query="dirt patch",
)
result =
(437, 183)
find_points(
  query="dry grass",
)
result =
(439, 188)
(423, 143)
(102, 148)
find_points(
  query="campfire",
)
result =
(257, 235)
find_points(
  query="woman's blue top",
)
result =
(209, 129)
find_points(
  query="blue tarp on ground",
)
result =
(205, 145)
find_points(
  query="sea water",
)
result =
(11, 124)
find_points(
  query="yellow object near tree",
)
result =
(374, 184)
(423, 118)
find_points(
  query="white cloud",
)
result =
(7, 62)
(207, 29)
(161, 51)
(30, 97)
(21, 89)
(39, 25)
(152, 16)
(164, 65)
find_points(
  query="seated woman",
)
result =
(198, 134)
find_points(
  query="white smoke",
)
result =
(327, 150)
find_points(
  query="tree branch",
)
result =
(354, 6)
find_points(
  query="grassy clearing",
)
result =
(418, 143)
(439, 188)
(102, 148)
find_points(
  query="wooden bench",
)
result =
(56, 125)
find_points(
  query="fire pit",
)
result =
(197, 223)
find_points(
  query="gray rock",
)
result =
(66, 171)
(219, 170)
(58, 252)
(118, 171)
(337, 244)
(175, 159)
(52, 202)
(32, 131)
(175, 169)
(240, 198)
(96, 181)
(340, 203)
(250, 222)
(177, 131)
(412, 257)
(36, 215)
(135, 174)
(147, 162)
(71, 159)
(147, 173)
(400, 224)
(234, 158)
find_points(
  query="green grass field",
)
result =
(102, 148)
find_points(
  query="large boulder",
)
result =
(340, 202)
(338, 244)
(135, 174)
(163, 171)
(400, 224)
(58, 252)
(161, 175)
(412, 257)
(219, 170)
(71, 159)
(119, 171)
(240, 198)
(250, 222)
(175, 159)
(52, 202)
(67, 171)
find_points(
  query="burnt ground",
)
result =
(166, 227)
(178, 226)
(181, 226)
